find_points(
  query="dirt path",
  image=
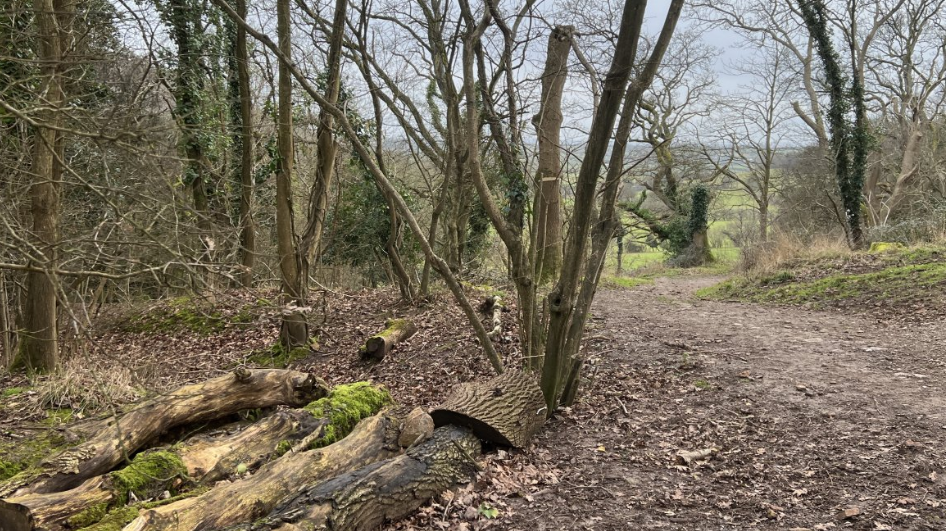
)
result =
(807, 414)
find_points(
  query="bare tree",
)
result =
(753, 125)
(906, 74)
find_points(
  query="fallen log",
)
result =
(494, 304)
(121, 437)
(379, 345)
(507, 409)
(372, 440)
(382, 491)
(200, 460)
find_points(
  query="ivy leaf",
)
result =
(488, 511)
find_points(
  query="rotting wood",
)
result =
(372, 440)
(119, 438)
(379, 345)
(383, 491)
(507, 409)
(495, 304)
(202, 459)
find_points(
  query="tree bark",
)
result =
(39, 344)
(379, 345)
(495, 304)
(294, 331)
(562, 299)
(567, 321)
(507, 409)
(247, 224)
(381, 492)
(372, 440)
(326, 145)
(119, 438)
(548, 237)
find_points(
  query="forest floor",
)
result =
(812, 420)
(798, 418)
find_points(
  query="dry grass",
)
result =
(784, 250)
(87, 385)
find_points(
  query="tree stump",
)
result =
(505, 410)
(379, 345)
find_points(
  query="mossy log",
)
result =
(373, 439)
(201, 459)
(507, 409)
(379, 345)
(494, 304)
(120, 437)
(382, 491)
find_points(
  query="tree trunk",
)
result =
(326, 145)
(247, 225)
(203, 459)
(567, 319)
(120, 438)
(374, 439)
(6, 326)
(562, 299)
(294, 331)
(381, 492)
(39, 344)
(507, 409)
(379, 345)
(548, 237)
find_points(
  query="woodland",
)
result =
(533, 264)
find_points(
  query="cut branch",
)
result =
(379, 345)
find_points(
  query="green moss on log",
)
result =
(18, 458)
(149, 474)
(344, 407)
(115, 520)
(395, 325)
(89, 516)
(96, 519)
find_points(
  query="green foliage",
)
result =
(702, 384)
(845, 137)
(675, 233)
(344, 407)
(57, 417)
(699, 210)
(487, 511)
(89, 516)
(96, 519)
